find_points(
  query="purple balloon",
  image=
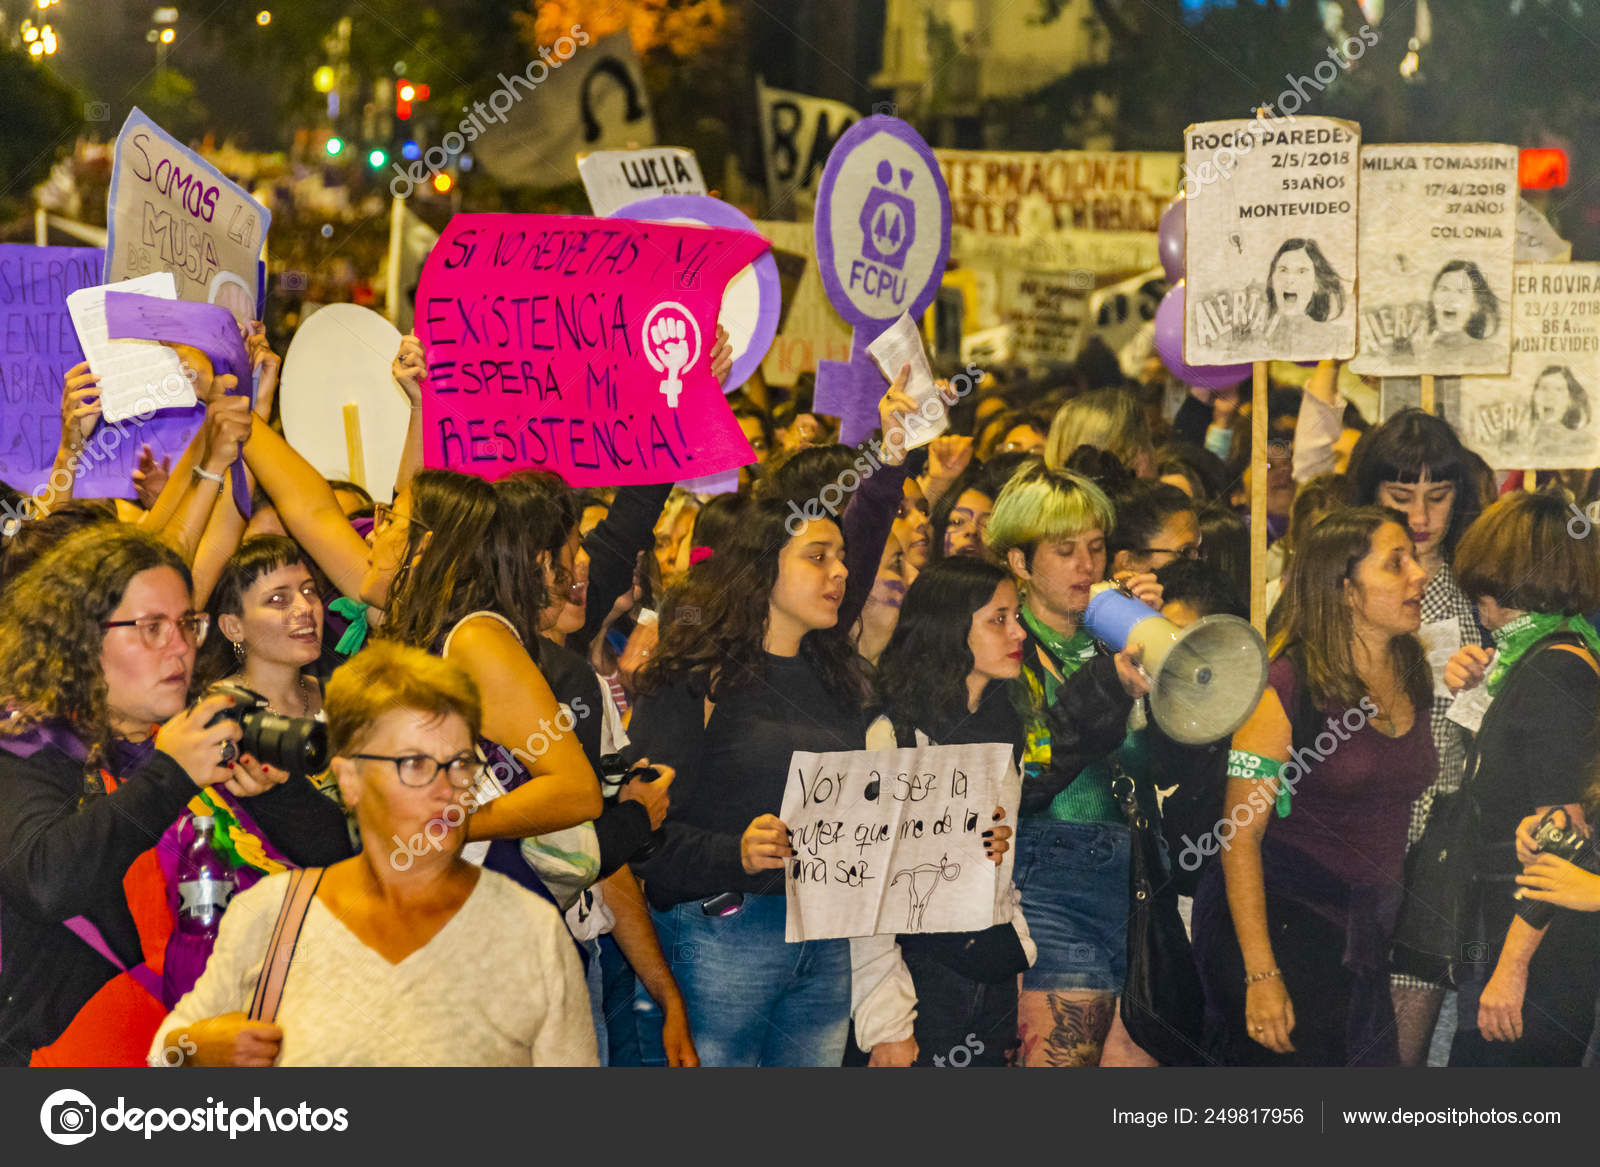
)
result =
(1169, 347)
(1171, 237)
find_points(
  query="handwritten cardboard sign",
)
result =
(1048, 312)
(1271, 260)
(41, 331)
(1436, 251)
(1542, 415)
(171, 210)
(891, 841)
(37, 346)
(614, 178)
(578, 345)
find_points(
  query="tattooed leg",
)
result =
(1064, 1029)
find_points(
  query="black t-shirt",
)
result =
(731, 770)
(577, 687)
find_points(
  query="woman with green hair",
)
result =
(1074, 696)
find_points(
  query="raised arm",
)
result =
(80, 412)
(227, 425)
(308, 508)
(1321, 421)
(409, 368)
(521, 714)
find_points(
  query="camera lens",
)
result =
(296, 744)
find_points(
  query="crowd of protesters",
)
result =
(558, 727)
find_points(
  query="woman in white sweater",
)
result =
(408, 955)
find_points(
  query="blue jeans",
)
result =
(1074, 883)
(752, 998)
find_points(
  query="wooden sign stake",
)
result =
(1258, 496)
(352, 445)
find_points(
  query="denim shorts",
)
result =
(1074, 883)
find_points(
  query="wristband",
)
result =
(1255, 768)
(1257, 978)
(207, 475)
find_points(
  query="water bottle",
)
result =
(205, 882)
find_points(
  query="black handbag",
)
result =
(1163, 1005)
(1428, 935)
(1439, 918)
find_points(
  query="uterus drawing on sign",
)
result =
(922, 881)
(670, 338)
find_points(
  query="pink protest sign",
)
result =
(578, 345)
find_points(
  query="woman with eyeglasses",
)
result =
(1156, 525)
(100, 752)
(420, 569)
(408, 955)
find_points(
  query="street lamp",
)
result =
(264, 18)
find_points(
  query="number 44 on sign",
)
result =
(891, 841)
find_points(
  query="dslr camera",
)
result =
(296, 744)
(1558, 835)
(615, 773)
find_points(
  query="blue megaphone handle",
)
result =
(1112, 615)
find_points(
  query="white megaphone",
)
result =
(1205, 679)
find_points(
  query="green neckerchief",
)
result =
(1069, 652)
(1513, 640)
(356, 634)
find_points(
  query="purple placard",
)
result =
(882, 231)
(725, 483)
(207, 327)
(716, 213)
(37, 346)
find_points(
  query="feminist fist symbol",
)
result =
(671, 345)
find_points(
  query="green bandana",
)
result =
(1513, 640)
(355, 635)
(1069, 652)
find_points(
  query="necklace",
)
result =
(305, 697)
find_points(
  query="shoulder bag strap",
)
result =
(1469, 770)
(285, 935)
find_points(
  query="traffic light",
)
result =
(335, 146)
(405, 92)
(1542, 169)
(377, 158)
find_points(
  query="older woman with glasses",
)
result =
(100, 752)
(398, 945)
